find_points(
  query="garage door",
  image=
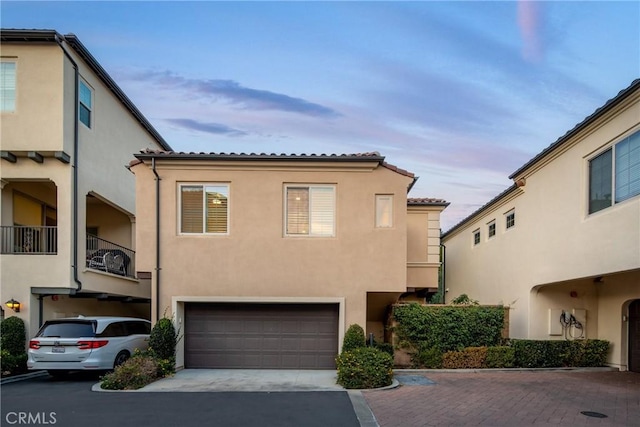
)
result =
(261, 336)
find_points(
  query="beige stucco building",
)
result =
(265, 260)
(67, 205)
(564, 237)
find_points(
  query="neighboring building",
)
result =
(265, 260)
(564, 237)
(68, 201)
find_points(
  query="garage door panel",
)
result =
(268, 336)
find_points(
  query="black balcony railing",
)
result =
(109, 257)
(29, 240)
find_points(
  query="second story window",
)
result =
(7, 86)
(476, 237)
(491, 229)
(204, 209)
(85, 106)
(510, 219)
(614, 175)
(384, 210)
(310, 210)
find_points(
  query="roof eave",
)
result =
(622, 95)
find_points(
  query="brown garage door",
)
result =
(261, 336)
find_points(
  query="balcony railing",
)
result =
(29, 240)
(109, 257)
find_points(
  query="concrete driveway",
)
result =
(247, 380)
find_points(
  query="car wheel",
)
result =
(58, 373)
(120, 359)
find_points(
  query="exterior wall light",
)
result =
(13, 305)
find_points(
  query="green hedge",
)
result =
(521, 354)
(448, 328)
(561, 353)
(364, 367)
(500, 357)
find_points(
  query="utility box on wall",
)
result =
(555, 327)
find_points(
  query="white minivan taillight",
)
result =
(34, 344)
(87, 345)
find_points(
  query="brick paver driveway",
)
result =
(511, 399)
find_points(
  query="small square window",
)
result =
(511, 219)
(384, 211)
(491, 229)
(476, 237)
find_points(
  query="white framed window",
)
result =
(384, 210)
(7, 86)
(476, 237)
(491, 229)
(85, 104)
(310, 210)
(614, 174)
(204, 208)
(510, 219)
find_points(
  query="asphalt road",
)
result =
(70, 403)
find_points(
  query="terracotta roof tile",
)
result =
(426, 201)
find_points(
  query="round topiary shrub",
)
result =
(353, 338)
(13, 335)
(163, 339)
(364, 367)
(13, 340)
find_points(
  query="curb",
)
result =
(493, 370)
(23, 377)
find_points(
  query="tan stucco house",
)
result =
(264, 260)
(67, 205)
(564, 238)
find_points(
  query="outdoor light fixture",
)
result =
(13, 305)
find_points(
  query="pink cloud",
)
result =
(530, 21)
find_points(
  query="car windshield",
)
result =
(67, 329)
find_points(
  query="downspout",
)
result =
(74, 264)
(443, 258)
(153, 168)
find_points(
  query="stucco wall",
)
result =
(555, 241)
(255, 259)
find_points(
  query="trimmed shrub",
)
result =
(448, 328)
(589, 353)
(13, 335)
(13, 340)
(469, 358)
(12, 364)
(549, 353)
(353, 338)
(500, 357)
(163, 339)
(135, 373)
(364, 367)
(426, 357)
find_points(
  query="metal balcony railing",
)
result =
(29, 240)
(109, 257)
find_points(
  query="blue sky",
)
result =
(459, 93)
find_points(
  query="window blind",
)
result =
(628, 168)
(7, 86)
(191, 209)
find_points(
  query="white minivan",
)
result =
(81, 343)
